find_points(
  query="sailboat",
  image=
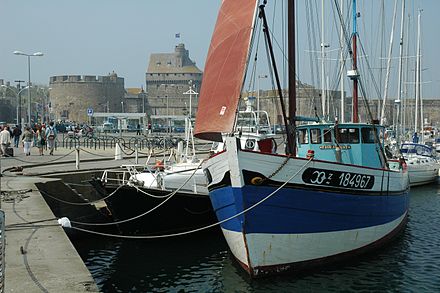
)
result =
(332, 194)
(423, 165)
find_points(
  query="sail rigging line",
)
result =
(254, 74)
(201, 228)
(387, 76)
(290, 135)
(311, 43)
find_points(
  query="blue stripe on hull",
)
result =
(291, 211)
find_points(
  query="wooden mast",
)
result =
(292, 75)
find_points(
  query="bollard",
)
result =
(118, 152)
(77, 158)
(136, 155)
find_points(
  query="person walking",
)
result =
(16, 133)
(51, 135)
(41, 139)
(5, 140)
(27, 139)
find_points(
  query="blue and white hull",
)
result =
(295, 213)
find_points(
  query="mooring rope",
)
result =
(198, 229)
(169, 196)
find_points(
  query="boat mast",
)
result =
(416, 116)
(399, 85)
(323, 46)
(341, 43)
(354, 75)
(291, 149)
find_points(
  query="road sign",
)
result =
(89, 111)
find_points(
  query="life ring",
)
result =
(250, 144)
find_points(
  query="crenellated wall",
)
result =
(72, 95)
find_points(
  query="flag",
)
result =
(177, 35)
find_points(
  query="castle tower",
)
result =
(72, 95)
(167, 78)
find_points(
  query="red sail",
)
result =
(225, 68)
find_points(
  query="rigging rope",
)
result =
(202, 228)
(168, 197)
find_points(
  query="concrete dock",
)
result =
(39, 255)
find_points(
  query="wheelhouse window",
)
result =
(349, 135)
(315, 135)
(327, 135)
(368, 135)
(303, 136)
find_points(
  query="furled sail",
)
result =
(225, 69)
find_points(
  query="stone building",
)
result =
(308, 102)
(168, 76)
(8, 102)
(72, 95)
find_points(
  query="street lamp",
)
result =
(37, 54)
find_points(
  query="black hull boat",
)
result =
(149, 211)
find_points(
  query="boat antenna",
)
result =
(289, 122)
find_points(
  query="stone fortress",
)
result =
(72, 95)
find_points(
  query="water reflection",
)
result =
(202, 263)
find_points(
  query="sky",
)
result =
(96, 37)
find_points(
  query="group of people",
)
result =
(39, 136)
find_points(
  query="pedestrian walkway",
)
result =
(39, 255)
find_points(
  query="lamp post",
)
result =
(37, 54)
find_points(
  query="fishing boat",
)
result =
(331, 194)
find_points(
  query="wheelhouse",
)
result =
(356, 144)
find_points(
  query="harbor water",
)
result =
(202, 262)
